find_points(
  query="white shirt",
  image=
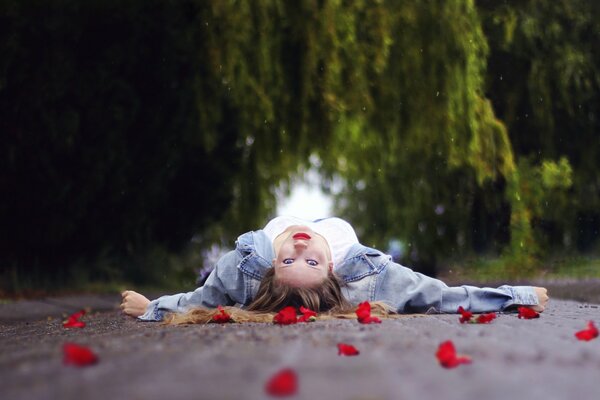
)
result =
(338, 234)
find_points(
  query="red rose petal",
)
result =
(370, 320)
(486, 318)
(286, 316)
(283, 383)
(363, 310)
(222, 316)
(347, 350)
(527, 313)
(308, 315)
(588, 334)
(363, 313)
(465, 316)
(73, 320)
(446, 355)
(77, 355)
(73, 324)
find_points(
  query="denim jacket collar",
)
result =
(257, 253)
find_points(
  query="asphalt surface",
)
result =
(512, 358)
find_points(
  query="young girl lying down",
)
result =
(319, 265)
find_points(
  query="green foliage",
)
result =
(105, 149)
(557, 175)
(543, 79)
(493, 271)
(523, 251)
(419, 153)
(404, 162)
(133, 126)
(489, 152)
(455, 126)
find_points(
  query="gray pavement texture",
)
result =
(512, 358)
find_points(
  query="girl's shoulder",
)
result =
(361, 261)
(254, 252)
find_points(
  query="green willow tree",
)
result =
(440, 172)
(104, 148)
(290, 70)
(543, 78)
(132, 126)
(417, 156)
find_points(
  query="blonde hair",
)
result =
(203, 315)
(272, 295)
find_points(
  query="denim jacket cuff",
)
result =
(152, 312)
(522, 296)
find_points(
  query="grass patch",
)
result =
(483, 269)
(574, 267)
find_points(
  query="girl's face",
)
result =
(303, 258)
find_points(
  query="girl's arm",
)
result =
(225, 286)
(411, 291)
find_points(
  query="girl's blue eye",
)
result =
(288, 261)
(312, 262)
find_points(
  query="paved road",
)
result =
(512, 358)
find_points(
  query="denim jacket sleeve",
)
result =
(221, 288)
(409, 291)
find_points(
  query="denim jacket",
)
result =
(369, 275)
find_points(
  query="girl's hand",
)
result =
(542, 295)
(133, 303)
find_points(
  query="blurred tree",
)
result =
(543, 78)
(131, 126)
(439, 171)
(414, 159)
(103, 147)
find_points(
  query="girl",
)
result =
(322, 266)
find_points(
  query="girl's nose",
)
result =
(300, 244)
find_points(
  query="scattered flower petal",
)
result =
(465, 316)
(370, 320)
(73, 320)
(77, 355)
(347, 350)
(283, 383)
(363, 312)
(73, 324)
(527, 313)
(485, 318)
(588, 334)
(308, 315)
(286, 316)
(222, 316)
(447, 357)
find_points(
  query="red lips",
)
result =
(301, 236)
